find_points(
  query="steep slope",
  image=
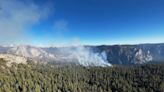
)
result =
(132, 54)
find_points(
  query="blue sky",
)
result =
(93, 22)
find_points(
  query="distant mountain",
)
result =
(92, 55)
(132, 54)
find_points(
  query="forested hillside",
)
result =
(50, 78)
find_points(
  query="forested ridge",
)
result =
(52, 78)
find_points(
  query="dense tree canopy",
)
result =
(51, 78)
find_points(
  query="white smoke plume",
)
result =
(83, 56)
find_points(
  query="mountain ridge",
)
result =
(113, 54)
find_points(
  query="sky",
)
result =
(88, 22)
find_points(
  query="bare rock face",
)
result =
(143, 57)
(13, 59)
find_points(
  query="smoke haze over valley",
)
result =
(81, 45)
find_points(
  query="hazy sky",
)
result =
(65, 22)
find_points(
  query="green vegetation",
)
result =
(50, 78)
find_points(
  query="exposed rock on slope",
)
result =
(31, 52)
(13, 59)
